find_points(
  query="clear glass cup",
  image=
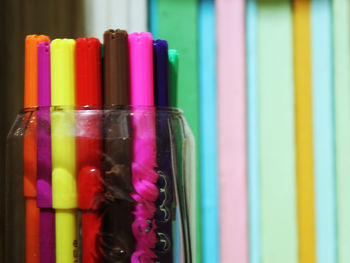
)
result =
(92, 184)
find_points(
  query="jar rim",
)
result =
(111, 107)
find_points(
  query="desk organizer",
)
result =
(86, 184)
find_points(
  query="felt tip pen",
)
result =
(64, 185)
(30, 150)
(118, 205)
(144, 142)
(44, 183)
(164, 215)
(89, 142)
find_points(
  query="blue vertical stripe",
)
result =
(322, 78)
(153, 18)
(208, 149)
(253, 131)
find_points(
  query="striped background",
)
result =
(265, 86)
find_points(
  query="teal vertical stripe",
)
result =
(208, 149)
(153, 18)
(253, 131)
(322, 78)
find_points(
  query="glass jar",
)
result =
(92, 184)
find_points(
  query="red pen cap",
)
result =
(88, 71)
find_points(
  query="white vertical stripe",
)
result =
(137, 16)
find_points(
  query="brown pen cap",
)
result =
(116, 67)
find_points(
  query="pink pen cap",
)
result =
(141, 68)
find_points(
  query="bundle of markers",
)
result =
(63, 174)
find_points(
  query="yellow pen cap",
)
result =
(62, 72)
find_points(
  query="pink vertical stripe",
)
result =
(232, 131)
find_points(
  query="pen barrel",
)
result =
(89, 158)
(89, 155)
(44, 189)
(32, 231)
(47, 236)
(144, 178)
(32, 234)
(30, 157)
(165, 214)
(117, 141)
(66, 236)
(144, 134)
(44, 182)
(90, 228)
(64, 187)
(118, 241)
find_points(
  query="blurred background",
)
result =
(17, 19)
(265, 88)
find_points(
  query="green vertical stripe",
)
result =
(177, 23)
(277, 137)
(341, 22)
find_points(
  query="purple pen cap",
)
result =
(44, 74)
(44, 167)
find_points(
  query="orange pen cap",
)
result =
(31, 69)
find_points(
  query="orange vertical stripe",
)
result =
(303, 124)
